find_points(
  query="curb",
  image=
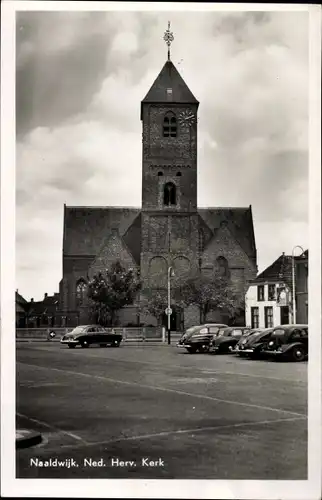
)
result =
(25, 438)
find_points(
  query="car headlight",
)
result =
(271, 343)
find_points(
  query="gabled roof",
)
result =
(280, 270)
(20, 300)
(239, 221)
(132, 238)
(169, 77)
(85, 228)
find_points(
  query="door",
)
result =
(284, 315)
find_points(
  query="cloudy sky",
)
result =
(80, 77)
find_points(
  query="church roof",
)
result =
(86, 227)
(239, 222)
(170, 78)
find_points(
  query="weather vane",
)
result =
(168, 38)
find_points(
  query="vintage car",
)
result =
(197, 338)
(289, 342)
(253, 345)
(227, 338)
(86, 335)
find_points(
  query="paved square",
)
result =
(159, 412)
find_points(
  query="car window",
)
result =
(236, 333)
(296, 334)
(278, 331)
(78, 329)
(213, 329)
(91, 329)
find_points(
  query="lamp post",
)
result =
(169, 311)
(293, 282)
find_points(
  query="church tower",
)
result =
(169, 178)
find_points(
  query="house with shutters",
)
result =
(168, 229)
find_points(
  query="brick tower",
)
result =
(169, 181)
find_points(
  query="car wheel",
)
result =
(191, 350)
(298, 354)
(84, 344)
(71, 346)
(204, 348)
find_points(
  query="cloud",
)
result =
(80, 79)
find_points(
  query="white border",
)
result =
(11, 487)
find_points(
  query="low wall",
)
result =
(142, 334)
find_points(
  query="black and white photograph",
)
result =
(161, 287)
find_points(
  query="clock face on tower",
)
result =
(187, 118)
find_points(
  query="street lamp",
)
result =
(293, 282)
(169, 310)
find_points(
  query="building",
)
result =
(21, 310)
(168, 229)
(44, 313)
(268, 300)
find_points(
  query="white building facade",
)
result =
(268, 305)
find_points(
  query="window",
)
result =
(260, 293)
(271, 292)
(81, 290)
(223, 267)
(255, 317)
(178, 174)
(213, 329)
(296, 334)
(236, 333)
(170, 125)
(160, 173)
(269, 322)
(169, 194)
(201, 240)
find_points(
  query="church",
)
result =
(168, 230)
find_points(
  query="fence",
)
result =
(136, 334)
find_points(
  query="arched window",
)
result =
(160, 173)
(201, 240)
(169, 194)
(178, 174)
(223, 268)
(81, 292)
(169, 125)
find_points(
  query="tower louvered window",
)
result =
(169, 194)
(170, 125)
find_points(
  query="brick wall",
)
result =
(169, 156)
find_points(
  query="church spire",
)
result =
(168, 38)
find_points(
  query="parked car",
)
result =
(254, 344)
(289, 342)
(86, 335)
(197, 338)
(226, 339)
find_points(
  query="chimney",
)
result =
(46, 295)
(31, 300)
